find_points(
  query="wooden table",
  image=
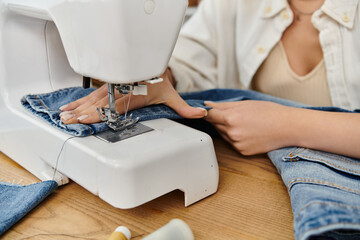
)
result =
(251, 203)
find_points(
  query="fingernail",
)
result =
(82, 117)
(63, 107)
(208, 102)
(206, 113)
(65, 113)
(68, 116)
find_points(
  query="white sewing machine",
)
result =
(47, 45)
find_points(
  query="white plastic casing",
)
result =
(33, 60)
(117, 41)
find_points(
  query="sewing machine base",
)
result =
(125, 174)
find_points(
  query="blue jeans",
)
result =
(324, 188)
(46, 106)
(17, 200)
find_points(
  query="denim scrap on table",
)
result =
(17, 200)
(324, 188)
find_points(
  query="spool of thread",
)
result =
(121, 233)
(176, 229)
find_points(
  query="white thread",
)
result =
(127, 108)
(57, 160)
(125, 113)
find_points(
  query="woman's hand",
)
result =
(252, 127)
(84, 109)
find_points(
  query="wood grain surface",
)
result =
(251, 203)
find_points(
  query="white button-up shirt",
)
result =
(226, 41)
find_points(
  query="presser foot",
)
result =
(114, 121)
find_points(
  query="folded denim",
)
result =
(17, 200)
(324, 188)
(325, 192)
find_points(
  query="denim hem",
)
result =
(330, 216)
(10, 184)
(22, 186)
(17, 200)
(46, 106)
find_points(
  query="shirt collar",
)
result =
(343, 13)
(273, 7)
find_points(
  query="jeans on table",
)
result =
(324, 188)
(17, 200)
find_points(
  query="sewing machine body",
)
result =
(35, 58)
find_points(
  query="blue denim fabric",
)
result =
(324, 188)
(17, 200)
(46, 106)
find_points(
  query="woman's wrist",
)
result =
(303, 126)
(293, 130)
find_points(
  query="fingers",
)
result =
(84, 109)
(186, 111)
(85, 113)
(92, 97)
(86, 117)
(216, 116)
(224, 135)
(130, 103)
(221, 105)
(89, 107)
(89, 118)
(73, 105)
(175, 102)
(166, 94)
(183, 109)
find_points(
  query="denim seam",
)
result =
(22, 186)
(332, 164)
(327, 226)
(91, 132)
(335, 158)
(42, 104)
(294, 153)
(293, 181)
(325, 203)
(306, 157)
(325, 154)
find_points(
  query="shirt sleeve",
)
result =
(194, 60)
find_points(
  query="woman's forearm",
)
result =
(327, 131)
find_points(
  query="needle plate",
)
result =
(112, 136)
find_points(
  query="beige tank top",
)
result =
(275, 77)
